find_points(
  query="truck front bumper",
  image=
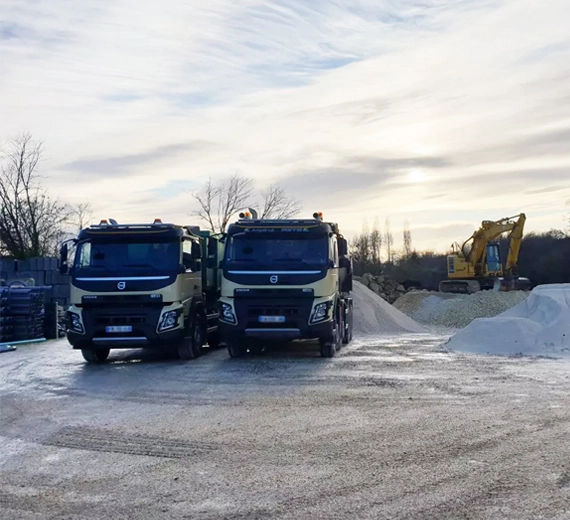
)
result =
(140, 328)
(251, 315)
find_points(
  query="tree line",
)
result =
(544, 257)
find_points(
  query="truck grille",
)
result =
(120, 320)
(273, 311)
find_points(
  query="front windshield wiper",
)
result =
(95, 267)
(302, 260)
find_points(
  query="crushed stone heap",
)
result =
(456, 310)
(538, 326)
(373, 315)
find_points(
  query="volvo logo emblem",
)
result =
(273, 278)
(121, 286)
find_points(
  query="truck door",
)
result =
(192, 276)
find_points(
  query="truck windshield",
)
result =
(102, 258)
(284, 250)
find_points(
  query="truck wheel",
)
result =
(339, 330)
(330, 344)
(236, 349)
(95, 356)
(328, 349)
(347, 336)
(191, 346)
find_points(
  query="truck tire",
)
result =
(328, 349)
(237, 349)
(331, 344)
(97, 356)
(191, 346)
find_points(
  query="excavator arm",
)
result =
(491, 230)
(515, 241)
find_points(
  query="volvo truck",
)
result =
(142, 285)
(285, 280)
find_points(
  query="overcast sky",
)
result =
(439, 112)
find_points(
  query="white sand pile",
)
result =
(375, 316)
(538, 326)
(456, 310)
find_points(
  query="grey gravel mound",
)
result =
(456, 310)
(373, 315)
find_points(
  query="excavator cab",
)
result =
(494, 264)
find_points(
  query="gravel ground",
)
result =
(392, 428)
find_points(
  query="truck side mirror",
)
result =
(342, 247)
(346, 263)
(196, 251)
(63, 267)
(212, 246)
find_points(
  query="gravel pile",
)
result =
(538, 326)
(374, 316)
(456, 310)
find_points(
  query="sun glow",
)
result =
(416, 176)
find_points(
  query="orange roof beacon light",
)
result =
(157, 221)
(318, 215)
(104, 222)
(245, 214)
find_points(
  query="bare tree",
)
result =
(407, 240)
(376, 242)
(31, 222)
(388, 239)
(218, 202)
(80, 215)
(276, 204)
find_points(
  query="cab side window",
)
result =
(191, 255)
(334, 250)
(187, 259)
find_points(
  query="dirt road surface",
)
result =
(392, 428)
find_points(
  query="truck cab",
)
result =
(284, 280)
(141, 285)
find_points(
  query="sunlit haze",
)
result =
(441, 113)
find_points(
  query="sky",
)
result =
(442, 113)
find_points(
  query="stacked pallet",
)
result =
(22, 313)
(37, 272)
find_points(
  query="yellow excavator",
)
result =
(476, 265)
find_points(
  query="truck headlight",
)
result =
(228, 313)
(320, 312)
(169, 320)
(75, 324)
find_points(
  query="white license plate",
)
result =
(271, 319)
(119, 328)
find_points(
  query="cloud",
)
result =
(127, 164)
(443, 113)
